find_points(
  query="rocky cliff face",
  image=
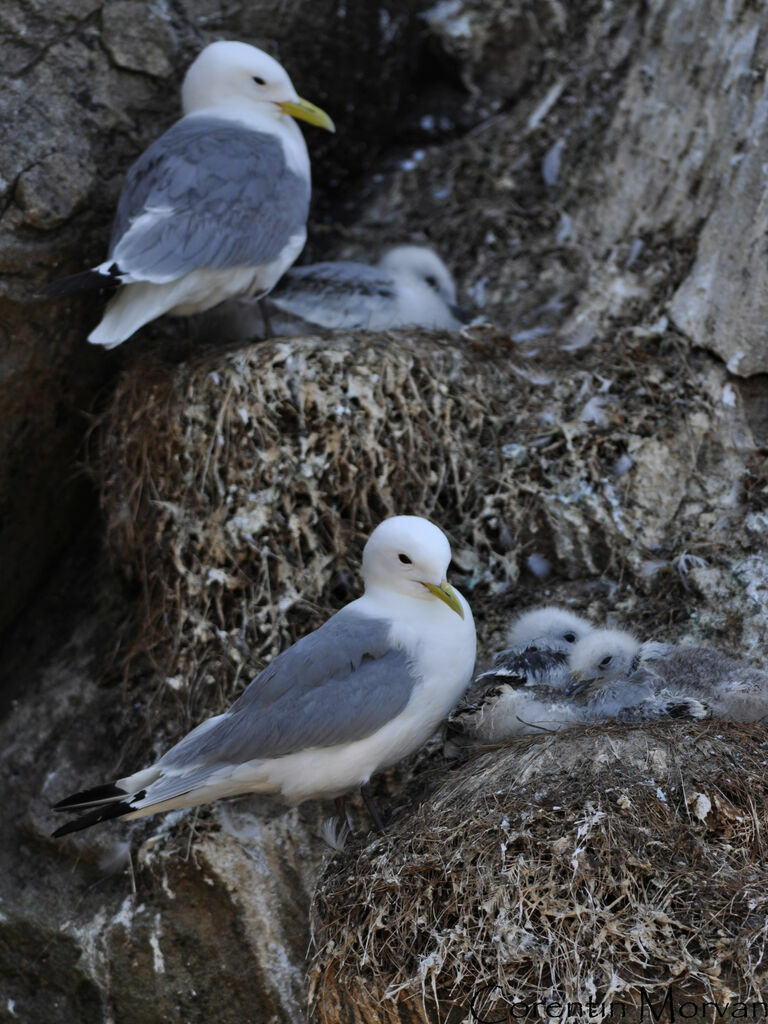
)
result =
(593, 178)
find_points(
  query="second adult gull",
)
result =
(217, 206)
(363, 691)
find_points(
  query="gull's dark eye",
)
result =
(405, 559)
(569, 638)
(431, 281)
(259, 81)
(606, 661)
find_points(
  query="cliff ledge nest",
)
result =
(239, 488)
(611, 864)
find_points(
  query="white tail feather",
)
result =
(132, 307)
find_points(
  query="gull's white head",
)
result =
(230, 76)
(602, 657)
(417, 261)
(556, 628)
(410, 555)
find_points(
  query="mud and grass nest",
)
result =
(621, 866)
(239, 489)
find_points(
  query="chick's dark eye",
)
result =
(259, 81)
(405, 559)
(431, 281)
(569, 637)
(606, 661)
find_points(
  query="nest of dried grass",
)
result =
(621, 866)
(239, 490)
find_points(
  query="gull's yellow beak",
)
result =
(447, 594)
(303, 110)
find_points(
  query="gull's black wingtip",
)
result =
(93, 817)
(88, 797)
(86, 281)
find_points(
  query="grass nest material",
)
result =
(239, 489)
(619, 866)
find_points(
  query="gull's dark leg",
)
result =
(265, 318)
(365, 789)
(342, 814)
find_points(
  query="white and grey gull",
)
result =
(217, 206)
(358, 694)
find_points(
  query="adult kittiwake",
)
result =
(360, 693)
(522, 692)
(217, 206)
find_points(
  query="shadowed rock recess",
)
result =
(593, 177)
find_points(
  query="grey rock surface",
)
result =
(615, 178)
(180, 921)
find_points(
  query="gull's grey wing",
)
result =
(339, 684)
(334, 294)
(208, 193)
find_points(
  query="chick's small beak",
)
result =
(303, 110)
(463, 313)
(576, 683)
(447, 594)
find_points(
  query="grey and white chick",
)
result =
(523, 692)
(614, 675)
(731, 687)
(410, 286)
(540, 641)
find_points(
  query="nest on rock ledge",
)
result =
(621, 866)
(239, 489)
